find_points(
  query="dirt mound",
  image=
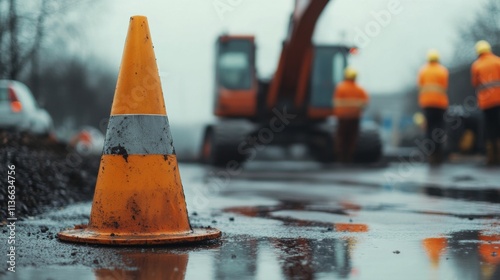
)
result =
(48, 174)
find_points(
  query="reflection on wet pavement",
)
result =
(306, 259)
(237, 259)
(468, 255)
(435, 247)
(267, 212)
(474, 254)
(480, 194)
(148, 266)
(295, 258)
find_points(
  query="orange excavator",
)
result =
(293, 107)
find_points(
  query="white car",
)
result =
(19, 110)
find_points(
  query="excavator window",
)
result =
(339, 64)
(234, 68)
(328, 68)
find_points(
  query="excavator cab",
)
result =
(236, 81)
(238, 93)
(327, 71)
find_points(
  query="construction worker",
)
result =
(349, 100)
(433, 99)
(486, 79)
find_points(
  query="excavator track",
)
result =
(369, 146)
(221, 142)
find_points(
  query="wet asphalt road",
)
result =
(295, 220)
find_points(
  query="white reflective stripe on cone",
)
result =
(138, 135)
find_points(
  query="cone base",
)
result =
(84, 235)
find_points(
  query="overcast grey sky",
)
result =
(184, 32)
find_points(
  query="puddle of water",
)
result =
(293, 214)
(459, 255)
(383, 235)
(51, 272)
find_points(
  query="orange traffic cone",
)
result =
(139, 197)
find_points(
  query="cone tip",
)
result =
(138, 17)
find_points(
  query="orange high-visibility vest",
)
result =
(433, 84)
(486, 80)
(349, 100)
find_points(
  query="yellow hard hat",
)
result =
(350, 73)
(483, 47)
(433, 56)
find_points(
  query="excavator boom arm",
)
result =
(296, 53)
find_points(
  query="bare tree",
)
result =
(24, 29)
(37, 47)
(16, 48)
(485, 26)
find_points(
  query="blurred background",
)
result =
(69, 52)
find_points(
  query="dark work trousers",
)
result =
(435, 120)
(347, 138)
(492, 123)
